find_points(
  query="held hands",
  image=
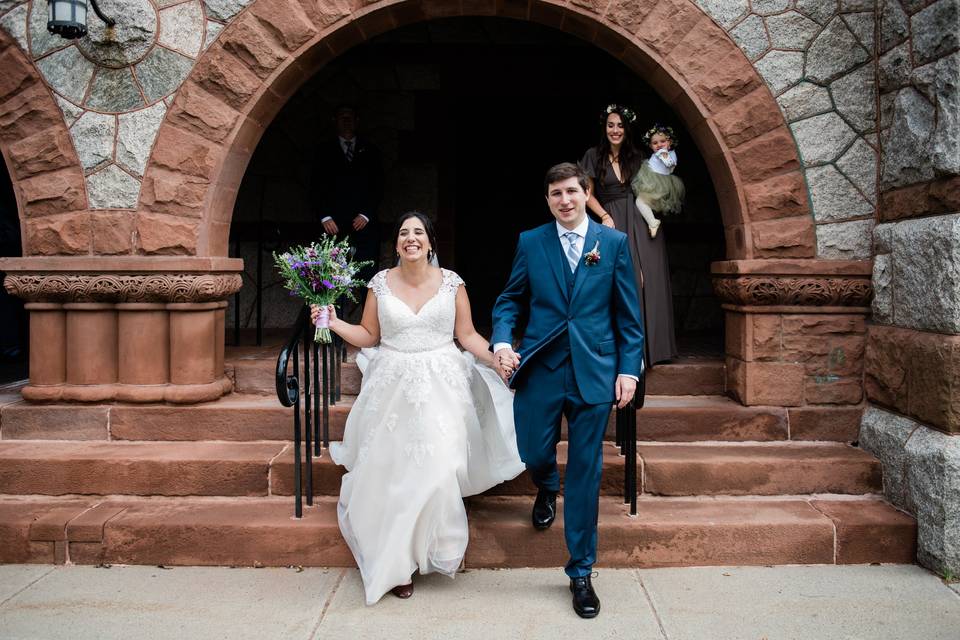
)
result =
(359, 222)
(331, 227)
(626, 387)
(506, 361)
(315, 313)
(607, 221)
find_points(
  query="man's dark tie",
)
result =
(348, 152)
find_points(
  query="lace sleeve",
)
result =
(451, 281)
(378, 283)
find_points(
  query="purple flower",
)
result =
(328, 284)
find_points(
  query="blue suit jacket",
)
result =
(600, 315)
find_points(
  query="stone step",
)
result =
(137, 468)
(254, 372)
(790, 468)
(681, 470)
(261, 532)
(266, 468)
(247, 417)
(326, 475)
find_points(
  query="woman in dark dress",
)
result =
(612, 164)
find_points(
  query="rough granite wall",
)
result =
(816, 56)
(912, 367)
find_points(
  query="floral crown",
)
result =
(662, 129)
(626, 112)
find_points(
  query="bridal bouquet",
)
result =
(320, 273)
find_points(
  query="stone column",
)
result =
(48, 343)
(127, 329)
(912, 365)
(795, 338)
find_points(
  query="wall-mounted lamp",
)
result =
(68, 18)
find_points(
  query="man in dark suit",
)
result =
(349, 186)
(581, 352)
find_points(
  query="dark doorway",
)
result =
(469, 113)
(14, 327)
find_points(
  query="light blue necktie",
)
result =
(573, 251)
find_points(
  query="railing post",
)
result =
(307, 414)
(326, 395)
(316, 400)
(297, 470)
(630, 457)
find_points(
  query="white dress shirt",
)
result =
(343, 147)
(580, 230)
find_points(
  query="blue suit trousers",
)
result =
(548, 395)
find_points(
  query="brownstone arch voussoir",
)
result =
(273, 46)
(44, 169)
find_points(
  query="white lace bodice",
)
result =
(430, 328)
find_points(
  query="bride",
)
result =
(429, 427)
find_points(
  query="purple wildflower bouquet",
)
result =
(320, 273)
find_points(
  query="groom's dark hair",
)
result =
(563, 171)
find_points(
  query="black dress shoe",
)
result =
(585, 600)
(544, 509)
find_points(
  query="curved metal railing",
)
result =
(317, 382)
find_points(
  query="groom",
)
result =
(580, 353)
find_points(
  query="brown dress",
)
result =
(649, 258)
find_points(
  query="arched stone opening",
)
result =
(43, 167)
(770, 283)
(14, 328)
(267, 53)
(467, 114)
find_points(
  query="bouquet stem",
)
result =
(322, 334)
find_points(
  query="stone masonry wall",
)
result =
(912, 360)
(114, 94)
(815, 56)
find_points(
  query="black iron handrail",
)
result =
(626, 438)
(323, 376)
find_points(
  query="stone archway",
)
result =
(788, 313)
(264, 55)
(44, 169)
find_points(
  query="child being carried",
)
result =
(655, 187)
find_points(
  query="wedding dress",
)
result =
(429, 427)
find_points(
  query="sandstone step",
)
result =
(770, 469)
(697, 418)
(235, 417)
(254, 372)
(681, 470)
(246, 417)
(261, 532)
(326, 475)
(137, 468)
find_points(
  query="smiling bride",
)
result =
(430, 426)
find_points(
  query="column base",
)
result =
(171, 393)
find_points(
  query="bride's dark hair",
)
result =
(427, 226)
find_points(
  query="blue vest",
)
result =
(556, 353)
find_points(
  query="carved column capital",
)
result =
(122, 287)
(807, 286)
(791, 290)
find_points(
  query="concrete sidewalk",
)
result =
(39, 602)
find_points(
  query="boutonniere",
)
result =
(593, 256)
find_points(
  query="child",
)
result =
(654, 185)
